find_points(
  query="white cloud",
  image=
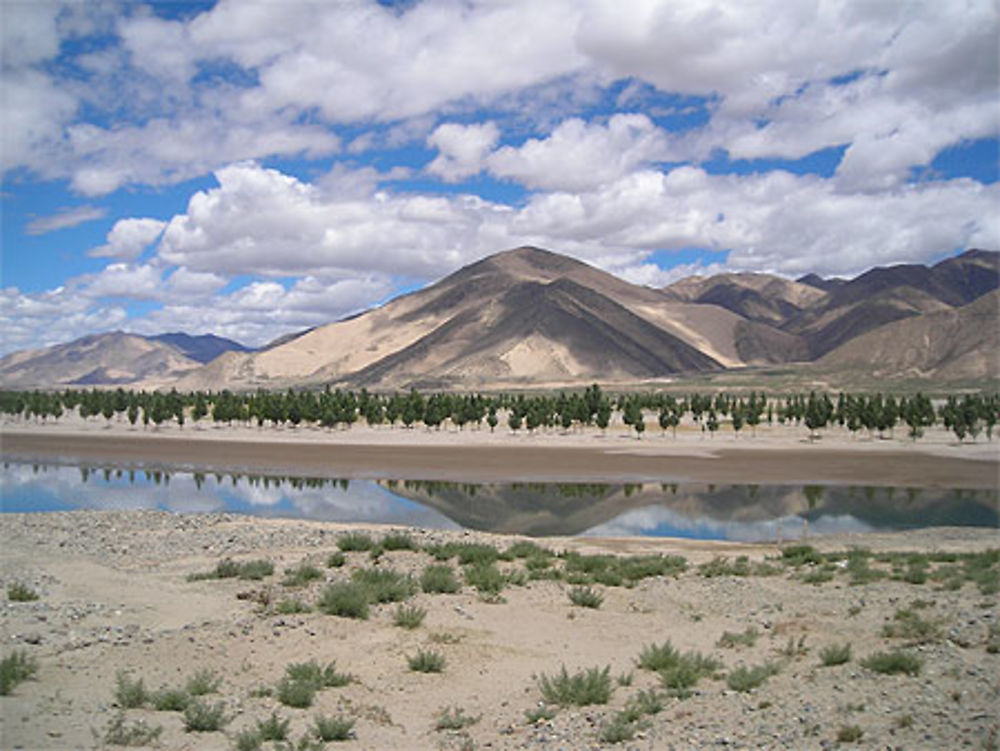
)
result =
(461, 149)
(28, 33)
(64, 219)
(580, 156)
(128, 238)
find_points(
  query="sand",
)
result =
(114, 596)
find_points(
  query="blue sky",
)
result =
(254, 168)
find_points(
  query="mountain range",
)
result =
(532, 318)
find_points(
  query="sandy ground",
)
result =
(777, 454)
(114, 597)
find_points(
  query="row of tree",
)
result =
(967, 416)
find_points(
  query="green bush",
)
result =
(337, 728)
(297, 694)
(835, 654)
(849, 734)
(800, 555)
(274, 728)
(354, 542)
(586, 597)
(528, 549)
(317, 676)
(291, 606)
(620, 729)
(398, 541)
(466, 552)
(384, 585)
(227, 568)
(336, 560)
(892, 663)
(301, 576)
(247, 739)
(645, 703)
(454, 718)
(656, 657)
(746, 678)
(591, 686)
(129, 693)
(538, 714)
(204, 681)
(907, 624)
(18, 592)
(485, 577)
(346, 599)
(426, 661)
(170, 700)
(16, 667)
(747, 638)
(409, 617)
(202, 717)
(439, 578)
(138, 733)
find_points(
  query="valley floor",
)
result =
(114, 595)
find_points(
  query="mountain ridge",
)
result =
(530, 317)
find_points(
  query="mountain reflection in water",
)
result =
(725, 512)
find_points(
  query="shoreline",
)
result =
(478, 456)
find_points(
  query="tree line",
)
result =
(967, 416)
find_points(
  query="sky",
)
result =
(251, 169)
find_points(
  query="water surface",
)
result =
(689, 510)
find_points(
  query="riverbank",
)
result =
(115, 595)
(777, 455)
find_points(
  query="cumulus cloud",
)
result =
(128, 238)
(578, 156)
(64, 219)
(461, 149)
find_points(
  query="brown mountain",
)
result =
(949, 344)
(100, 359)
(532, 318)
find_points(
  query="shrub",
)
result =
(592, 686)
(383, 585)
(539, 713)
(337, 728)
(15, 668)
(657, 657)
(274, 728)
(298, 694)
(586, 597)
(248, 739)
(170, 700)
(618, 730)
(683, 675)
(439, 578)
(138, 733)
(747, 638)
(301, 575)
(203, 682)
(18, 592)
(849, 734)
(454, 719)
(636, 567)
(129, 693)
(891, 663)
(227, 568)
(408, 616)
(426, 661)
(528, 549)
(336, 560)
(835, 654)
(819, 576)
(317, 676)
(466, 552)
(485, 577)
(744, 679)
(398, 541)
(291, 606)
(645, 703)
(799, 555)
(355, 542)
(202, 717)
(907, 624)
(346, 599)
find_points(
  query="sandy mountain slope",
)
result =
(948, 344)
(101, 359)
(524, 316)
(757, 297)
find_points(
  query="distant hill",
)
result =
(203, 348)
(529, 317)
